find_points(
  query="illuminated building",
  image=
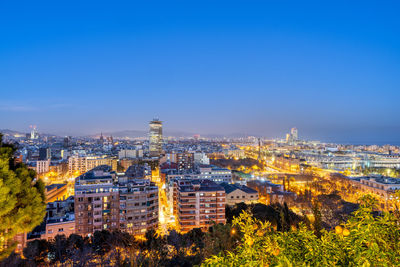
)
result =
(198, 204)
(208, 172)
(383, 187)
(294, 134)
(96, 202)
(239, 193)
(130, 153)
(185, 161)
(105, 201)
(290, 163)
(201, 158)
(42, 166)
(56, 192)
(155, 138)
(34, 133)
(82, 164)
(138, 202)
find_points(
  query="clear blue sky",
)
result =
(330, 68)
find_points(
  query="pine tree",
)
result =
(22, 200)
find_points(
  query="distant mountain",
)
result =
(141, 133)
(122, 134)
(11, 132)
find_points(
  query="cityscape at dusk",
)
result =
(199, 133)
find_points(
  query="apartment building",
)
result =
(104, 201)
(381, 186)
(42, 166)
(185, 161)
(138, 206)
(96, 202)
(82, 164)
(59, 220)
(198, 203)
(209, 172)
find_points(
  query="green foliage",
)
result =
(364, 240)
(280, 216)
(22, 202)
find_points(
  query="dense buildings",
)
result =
(81, 164)
(286, 162)
(381, 186)
(155, 138)
(59, 220)
(130, 153)
(190, 193)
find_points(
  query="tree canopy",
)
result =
(364, 240)
(22, 200)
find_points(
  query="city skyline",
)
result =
(220, 68)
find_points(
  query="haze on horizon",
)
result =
(211, 67)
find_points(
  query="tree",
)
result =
(364, 240)
(36, 251)
(317, 224)
(22, 200)
(219, 239)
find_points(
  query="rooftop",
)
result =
(201, 185)
(232, 187)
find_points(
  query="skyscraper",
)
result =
(155, 138)
(294, 133)
(34, 133)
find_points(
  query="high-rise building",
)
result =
(34, 133)
(155, 138)
(67, 141)
(294, 134)
(44, 153)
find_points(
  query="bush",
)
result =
(364, 240)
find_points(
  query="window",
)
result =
(61, 229)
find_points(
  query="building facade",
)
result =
(236, 193)
(104, 201)
(198, 204)
(155, 138)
